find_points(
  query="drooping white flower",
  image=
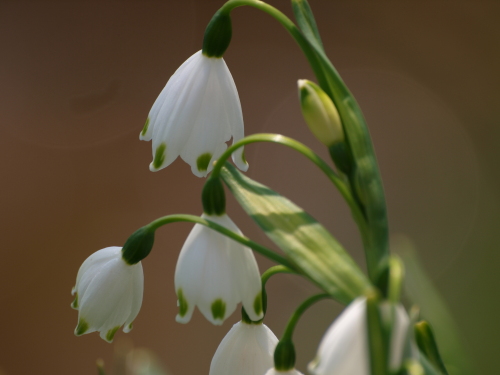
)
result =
(344, 349)
(247, 349)
(108, 293)
(215, 273)
(273, 371)
(196, 113)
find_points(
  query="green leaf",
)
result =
(307, 23)
(306, 242)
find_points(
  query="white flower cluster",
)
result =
(195, 114)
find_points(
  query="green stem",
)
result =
(273, 271)
(264, 278)
(290, 327)
(288, 24)
(268, 253)
(311, 155)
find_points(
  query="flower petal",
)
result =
(344, 348)
(194, 116)
(247, 349)
(215, 273)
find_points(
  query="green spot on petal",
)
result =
(203, 161)
(159, 156)
(218, 309)
(145, 128)
(111, 333)
(257, 304)
(74, 304)
(82, 327)
(183, 304)
(243, 157)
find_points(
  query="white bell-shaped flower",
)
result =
(247, 349)
(196, 113)
(215, 273)
(273, 371)
(108, 293)
(344, 349)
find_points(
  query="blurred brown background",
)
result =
(77, 81)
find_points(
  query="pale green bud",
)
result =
(320, 113)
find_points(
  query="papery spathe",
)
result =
(108, 293)
(344, 349)
(195, 114)
(215, 273)
(247, 349)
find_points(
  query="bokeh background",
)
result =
(77, 79)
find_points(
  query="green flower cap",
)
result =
(138, 245)
(217, 35)
(213, 197)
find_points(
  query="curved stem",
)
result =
(311, 155)
(264, 278)
(286, 22)
(268, 253)
(298, 313)
(273, 271)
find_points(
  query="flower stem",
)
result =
(273, 271)
(268, 253)
(311, 155)
(264, 277)
(290, 327)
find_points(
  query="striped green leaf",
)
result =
(305, 241)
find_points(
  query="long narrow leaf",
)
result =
(306, 22)
(306, 242)
(366, 178)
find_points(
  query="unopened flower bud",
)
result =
(320, 113)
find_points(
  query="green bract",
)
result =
(308, 244)
(320, 113)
